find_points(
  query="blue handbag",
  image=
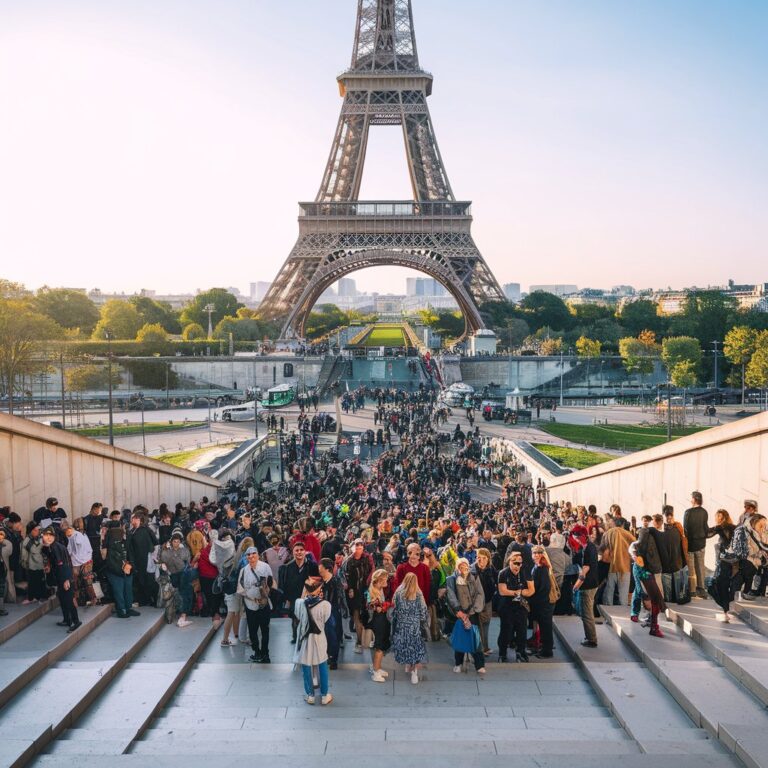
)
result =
(465, 640)
(577, 601)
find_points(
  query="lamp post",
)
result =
(143, 436)
(669, 410)
(210, 309)
(108, 336)
(210, 438)
(562, 367)
(255, 403)
(715, 344)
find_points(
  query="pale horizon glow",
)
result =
(166, 145)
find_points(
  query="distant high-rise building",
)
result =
(558, 290)
(259, 290)
(423, 286)
(512, 291)
(347, 287)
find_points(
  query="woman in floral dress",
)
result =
(409, 620)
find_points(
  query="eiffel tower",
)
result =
(338, 233)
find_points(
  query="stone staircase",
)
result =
(543, 714)
(51, 681)
(136, 693)
(715, 673)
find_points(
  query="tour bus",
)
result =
(242, 412)
(279, 396)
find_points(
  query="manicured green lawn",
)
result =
(121, 430)
(185, 459)
(385, 336)
(574, 458)
(621, 437)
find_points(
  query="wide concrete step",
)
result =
(754, 613)
(55, 699)
(633, 695)
(706, 691)
(21, 616)
(735, 645)
(138, 693)
(39, 643)
(416, 757)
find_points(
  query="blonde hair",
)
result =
(486, 553)
(410, 587)
(245, 543)
(376, 592)
(196, 542)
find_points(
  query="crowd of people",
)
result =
(390, 556)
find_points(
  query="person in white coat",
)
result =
(312, 612)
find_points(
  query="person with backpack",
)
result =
(312, 612)
(750, 548)
(253, 585)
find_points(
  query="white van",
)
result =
(242, 412)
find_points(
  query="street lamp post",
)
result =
(143, 436)
(255, 403)
(210, 438)
(109, 374)
(669, 410)
(715, 344)
(562, 366)
(210, 309)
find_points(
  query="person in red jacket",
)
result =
(306, 535)
(414, 565)
(208, 573)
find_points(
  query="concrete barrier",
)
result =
(37, 461)
(727, 464)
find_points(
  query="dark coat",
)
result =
(647, 548)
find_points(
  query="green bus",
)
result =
(279, 396)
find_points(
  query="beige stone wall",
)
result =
(37, 461)
(727, 464)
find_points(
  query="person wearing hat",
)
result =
(253, 584)
(750, 508)
(32, 562)
(61, 572)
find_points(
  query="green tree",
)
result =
(193, 332)
(640, 315)
(327, 319)
(450, 325)
(738, 348)
(90, 377)
(156, 312)
(757, 370)
(541, 308)
(69, 308)
(153, 336)
(224, 305)
(588, 348)
(707, 315)
(427, 316)
(242, 329)
(514, 332)
(119, 318)
(23, 334)
(680, 349)
(639, 354)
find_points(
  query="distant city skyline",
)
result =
(150, 145)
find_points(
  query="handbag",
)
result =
(464, 640)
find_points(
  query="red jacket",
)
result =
(205, 567)
(423, 576)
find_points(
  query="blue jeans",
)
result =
(122, 591)
(309, 689)
(637, 595)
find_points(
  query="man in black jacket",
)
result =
(695, 524)
(141, 544)
(61, 570)
(294, 574)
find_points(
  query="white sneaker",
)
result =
(722, 617)
(377, 677)
(327, 699)
(183, 623)
(481, 671)
(309, 699)
(358, 648)
(457, 670)
(415, 677)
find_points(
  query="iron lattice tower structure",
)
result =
(338, 233)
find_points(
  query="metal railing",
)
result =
(388, 208)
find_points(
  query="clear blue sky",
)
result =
(165, 143)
